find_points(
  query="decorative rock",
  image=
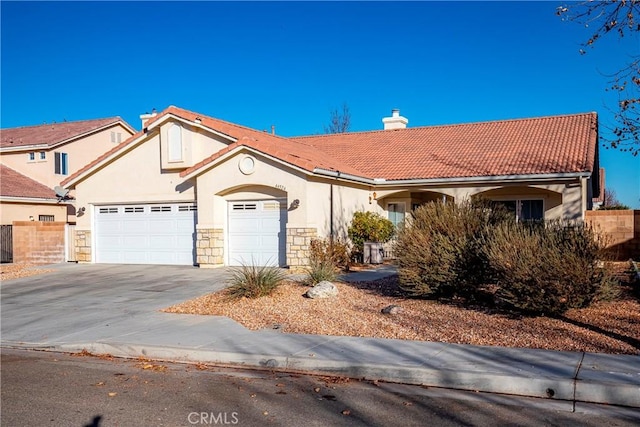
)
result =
(392, 309)
(323, 289)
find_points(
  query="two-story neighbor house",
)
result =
(191, 189)
(35, 159)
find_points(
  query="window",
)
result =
(48, 218)
(525, 210)
(32, 157)
(396, 213)
(43, 155)
(175, 143)
(61, 164)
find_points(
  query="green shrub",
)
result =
(614, 208)
(250, 281)
(369, 227)
(439, 252)
(546, 269)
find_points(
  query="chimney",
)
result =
(396, 121)
(146, 117)
(273, 129)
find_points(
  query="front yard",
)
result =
(612, 327)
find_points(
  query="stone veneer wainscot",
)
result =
(298, 243)
(210, 247)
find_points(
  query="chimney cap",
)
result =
(396, 121)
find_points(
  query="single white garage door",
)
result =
(145, 234)
(257, 232)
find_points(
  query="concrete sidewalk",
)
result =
(42, 313)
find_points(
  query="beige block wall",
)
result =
(38, 242)
(10, 212)
(621, 230)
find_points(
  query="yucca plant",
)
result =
(252, 281)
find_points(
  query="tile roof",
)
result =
(543, 145)
(296, 153)
(14, 184)
(52, 134)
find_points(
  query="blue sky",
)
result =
(289, 64)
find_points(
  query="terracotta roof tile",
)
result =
(544, 145)
(14, 184)
(51, 134)
(296, 153)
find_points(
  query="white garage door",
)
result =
(257, 232)
(145, 234)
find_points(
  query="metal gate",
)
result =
(6, 243)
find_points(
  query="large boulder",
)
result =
(323, 289)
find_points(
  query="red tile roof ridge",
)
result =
(522, 119)
(71, 122)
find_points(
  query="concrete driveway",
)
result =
(93, 300)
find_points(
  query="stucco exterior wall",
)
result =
(133, 178)
(10, 212)
(196, 145)
(80, 152)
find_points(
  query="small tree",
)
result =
(369, 227)
(340, 121)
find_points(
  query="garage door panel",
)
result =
(257, 232)
(145, 234)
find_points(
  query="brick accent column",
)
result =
(82, 245)
(298, 242)
(210, 247)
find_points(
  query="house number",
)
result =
(281, 187)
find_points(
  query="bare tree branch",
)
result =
(623, 18)
(339, 122)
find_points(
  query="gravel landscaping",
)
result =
(19, 270)
(612, 327)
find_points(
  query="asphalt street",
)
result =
(48, 388)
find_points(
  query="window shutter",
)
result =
(57, 163)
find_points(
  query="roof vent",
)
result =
(396, 121)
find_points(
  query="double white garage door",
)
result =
(146, 234)
(165, 233)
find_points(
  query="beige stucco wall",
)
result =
(132, 178)
(10, 212)
(80, 152)
(197, 144)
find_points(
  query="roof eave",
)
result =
(30, 200)
(196, 124)
(68, 140)
(381, 182)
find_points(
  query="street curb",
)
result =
(571, 389)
